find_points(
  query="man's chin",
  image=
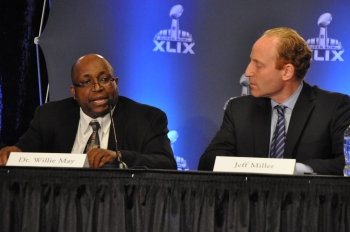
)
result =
(254, 94)
(95, 114)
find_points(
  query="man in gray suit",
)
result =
(314, 119)
(64, 126)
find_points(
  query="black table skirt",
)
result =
(55, 199)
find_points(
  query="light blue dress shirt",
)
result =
(289, 103)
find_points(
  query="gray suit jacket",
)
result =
(141, 132)
(315, 132)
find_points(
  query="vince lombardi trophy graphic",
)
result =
(174, 33)
(244, 81)
(180, 161)
(323, 42)
(323, 22)
(175, 14)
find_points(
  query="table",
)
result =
(57, 199)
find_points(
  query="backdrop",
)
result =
(187, 57)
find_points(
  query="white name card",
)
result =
(31, 159)
(254, 165)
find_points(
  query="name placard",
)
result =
(254, 165)
(32, 159)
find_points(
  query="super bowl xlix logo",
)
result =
(323, 47)
(174, 40)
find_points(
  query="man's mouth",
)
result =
(99, 101)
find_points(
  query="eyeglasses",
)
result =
(102, 82)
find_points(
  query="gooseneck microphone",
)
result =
(121, 164)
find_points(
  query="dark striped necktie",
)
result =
(94, 140)
(277, 143)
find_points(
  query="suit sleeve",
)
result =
(32, 139)
(334, 163)
(223, 144)
(154, 150)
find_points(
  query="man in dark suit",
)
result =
(63, 126)
(314, 119)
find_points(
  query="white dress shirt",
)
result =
(85, 130)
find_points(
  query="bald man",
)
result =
(64, 126)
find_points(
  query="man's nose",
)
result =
(249, 71)
(96, 86)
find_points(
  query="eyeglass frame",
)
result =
(85, 84)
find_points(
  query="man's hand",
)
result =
(98, 157)
(5, 152)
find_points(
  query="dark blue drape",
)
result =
(19, 24)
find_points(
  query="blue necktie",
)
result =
(94, 140)
(277, 143)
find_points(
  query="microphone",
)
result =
(121, 164)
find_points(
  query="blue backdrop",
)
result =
(192, 74)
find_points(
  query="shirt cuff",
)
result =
(303, 168)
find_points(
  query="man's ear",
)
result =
(72, 90)
(288, 72)
(116, 80)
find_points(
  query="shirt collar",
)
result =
(290, 102)
(104, 121)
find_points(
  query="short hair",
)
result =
(291, 48)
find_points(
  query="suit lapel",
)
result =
(302, 109)
(261, 127)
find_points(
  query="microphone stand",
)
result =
(121, 164)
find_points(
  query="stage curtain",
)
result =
(19, 24)
(132, 200)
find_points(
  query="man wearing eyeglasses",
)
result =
(82, 124)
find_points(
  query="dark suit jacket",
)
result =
(315, 133)
(141, 132)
